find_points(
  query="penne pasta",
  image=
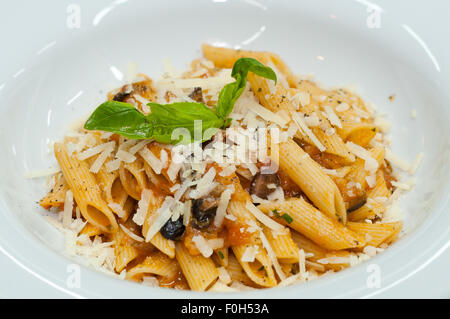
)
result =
(284, 247)
(123, 251)
(156, 264)
(308, 175)
(375, 234)
(133, 178)
(164, 245)
(85, 190)
(260, 270)
(313, 224)
(56, 196)
(200, 272)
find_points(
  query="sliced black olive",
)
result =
(197, 95)
(203, 214)
(121, 96)
(173, 229)
(356, 203)
(260, 183)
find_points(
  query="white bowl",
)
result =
(53, 72)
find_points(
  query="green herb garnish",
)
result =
(285, 216)
(221, 255)
(164, 120)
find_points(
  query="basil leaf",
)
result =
(124, 119)
(167, 118)
(120, 118)
(232, 91)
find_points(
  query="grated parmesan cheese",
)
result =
(187, 212)
(342, 107)
(301, 98)
(202, 245)
(117, 209)
(163, 214)
(223, 204)
(250, 253)
(397, 161)
(272, 255)
(95, 150)
(205, 184)
(151, 160)
(263, 218)
(403, 186)
(140, 145)
(299, 120)
(173, 170)
(113, 165)
(370, 164)
(42, 173)
(143, 204)
(150, 281)
(266, 114)
(334, 260)
(219, 286)
(125, 156)
(131, 234)
(332, 117)
(100, 160)
(224, 276)
(371, 180)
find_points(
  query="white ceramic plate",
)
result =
(53, 72)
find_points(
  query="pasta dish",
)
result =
(235, 174)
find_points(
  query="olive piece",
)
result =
(356, 203)
(121, 96)
(197, 95)
(202, 214)
(260, 182)
(173, 229)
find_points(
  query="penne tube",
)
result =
(236, 272)
(260, 271)
(156, 264)
(133, 178)
(360, 133)
(56, 196)
(370, 210)
(221, 256)
(113, 191)
(315, 252)
(123, 250)
(85, 190)
(380, 189)
(165, 245)
(90, 230)
(308, 175)
(375, 234)
(284, 247)
(200, 272)
(314, 224)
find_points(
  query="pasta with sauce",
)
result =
(233, 217)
